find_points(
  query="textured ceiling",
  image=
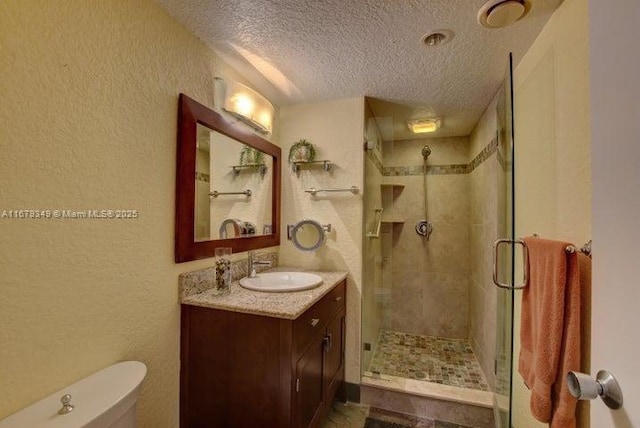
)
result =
(311, 50)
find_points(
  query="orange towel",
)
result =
(550, 330)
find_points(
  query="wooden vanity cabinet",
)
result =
(245, 370)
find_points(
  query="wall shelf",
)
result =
(297, 165)
(259, 166)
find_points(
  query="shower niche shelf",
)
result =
(392, 220)
(391, 186)
(389, 193)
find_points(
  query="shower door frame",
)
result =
(505, 260)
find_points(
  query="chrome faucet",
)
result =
(252, 263)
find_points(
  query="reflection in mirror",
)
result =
(235, 228)
(230, 168)
(234, 200)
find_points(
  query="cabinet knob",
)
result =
(337, 299)
(314, 322)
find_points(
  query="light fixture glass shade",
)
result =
(421, 126)
(245, 104)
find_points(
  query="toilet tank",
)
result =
(106, 399)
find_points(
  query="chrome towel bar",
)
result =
(352, 189)
(215, 193)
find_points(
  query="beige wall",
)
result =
(89, 110)
(483, 219)
(336, 128)
(553, 174)
(430, 279)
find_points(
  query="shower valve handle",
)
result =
(424, 228)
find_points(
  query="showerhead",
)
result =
(426, 151)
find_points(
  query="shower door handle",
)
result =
(525, 263)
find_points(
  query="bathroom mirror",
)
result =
(233, 188)
(227, 185)
(307, 235)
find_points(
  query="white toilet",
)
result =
(106, 399)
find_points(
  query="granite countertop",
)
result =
(288, 305)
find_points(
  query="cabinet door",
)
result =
(309, 386)
(334, 356)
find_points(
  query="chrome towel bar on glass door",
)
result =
(525, 263)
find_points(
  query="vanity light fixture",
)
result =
(244, 104)
(422, 126)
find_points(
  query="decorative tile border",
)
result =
(461, 168)
(431, 170)
(202, 176)
(483, 155)
(445, 169)
(198, 281)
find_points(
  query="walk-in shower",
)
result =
(422, 298)
(428, 303)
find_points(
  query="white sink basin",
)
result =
(281, 281)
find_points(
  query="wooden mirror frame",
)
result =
(190, 113)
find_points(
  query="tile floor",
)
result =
(352, 415)
(432, 359)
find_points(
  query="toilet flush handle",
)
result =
(67, 407)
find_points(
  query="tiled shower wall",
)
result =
(430, 292)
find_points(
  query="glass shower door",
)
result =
(505, 258)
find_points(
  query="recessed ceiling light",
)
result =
(422, 126)
(438, 37)
(502, 13)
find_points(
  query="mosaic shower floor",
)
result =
(432, 359)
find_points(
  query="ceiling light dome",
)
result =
(502, 13)
(424, 125)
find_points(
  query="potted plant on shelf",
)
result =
(302, 151)
(251, 156)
